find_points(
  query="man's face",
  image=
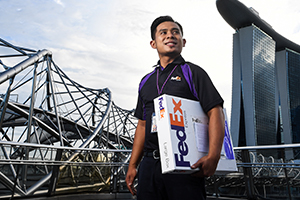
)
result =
(168, 40)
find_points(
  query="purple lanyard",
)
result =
(159, 91)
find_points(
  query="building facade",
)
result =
(288, 73)
(254, 111)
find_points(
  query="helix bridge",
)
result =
(57, 135)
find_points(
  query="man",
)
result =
(152, 184)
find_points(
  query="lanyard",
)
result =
(159, 91)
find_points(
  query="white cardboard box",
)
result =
(177, 121)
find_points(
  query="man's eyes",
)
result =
(165, 32)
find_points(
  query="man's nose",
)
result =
(170, 34)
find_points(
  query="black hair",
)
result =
(160, 20)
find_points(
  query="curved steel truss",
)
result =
(42, 107)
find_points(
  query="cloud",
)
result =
(106, 43)
(59, 2)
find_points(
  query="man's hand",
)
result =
(131, 174)
(206, 165)
(136, 155)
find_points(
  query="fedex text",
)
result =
(177, 127)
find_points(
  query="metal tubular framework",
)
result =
(40, 104)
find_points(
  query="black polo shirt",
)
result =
(181, 79)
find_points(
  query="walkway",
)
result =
(95, 196)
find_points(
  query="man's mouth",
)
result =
(171, 43)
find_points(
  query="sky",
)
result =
(106, 43)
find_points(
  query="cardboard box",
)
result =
(177, 122)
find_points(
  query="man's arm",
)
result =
(216, 129)
(136, 155)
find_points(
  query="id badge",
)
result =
(153, 124)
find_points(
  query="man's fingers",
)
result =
(131, 189)
(130, 186)
(198, 164)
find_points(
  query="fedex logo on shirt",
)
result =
(161, 108)
(177, 127)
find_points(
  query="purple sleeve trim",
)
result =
(145, 79)
(187, 73)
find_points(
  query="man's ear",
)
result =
(184, 41)
(153, 44)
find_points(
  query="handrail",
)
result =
(58, 147)
(280, 146)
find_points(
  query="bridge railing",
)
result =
(92, 170)
(264, 172)
(268, 172)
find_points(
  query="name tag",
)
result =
(153, 124)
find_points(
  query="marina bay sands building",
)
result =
(266, 80)
(254, 95)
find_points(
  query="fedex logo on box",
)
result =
(177, 127)
(161, 108)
